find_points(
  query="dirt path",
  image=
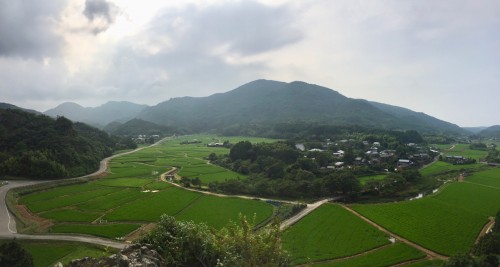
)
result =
(487, 227)
(429, 253)
(174, 170)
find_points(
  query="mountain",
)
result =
(269, 102)
(10, 106)
(97, 116)
(38, 146)
(475, 130)
(136, 127)
(490, 132)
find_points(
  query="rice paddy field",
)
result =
(132, 195)
(387, 256)
(440, 167)
(462, 150)
(331, 232)
(447, 222)
(48, 253)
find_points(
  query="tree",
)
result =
(188, 244)
(242, 150)
(13, 255)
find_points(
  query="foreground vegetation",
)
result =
(189, 244)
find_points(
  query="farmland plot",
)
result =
(386, 256)
(330, 232)
(131, 194)
(447, 223)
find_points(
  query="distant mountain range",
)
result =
(265, 101)
(257, 102)
(490, 132)
(10, 106)
(98, 116)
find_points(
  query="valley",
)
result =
(128, 200)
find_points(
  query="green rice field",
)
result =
(440, 167)
(387, 256)
(48, 253)
(462, 150)
(331, 232)
(131, 194)
(447, 222)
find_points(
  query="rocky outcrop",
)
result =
(137, 255)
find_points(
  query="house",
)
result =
(215, 144)
(315, 150)
(300, 147)
(339, 154)
(376, 143)
(404, 163)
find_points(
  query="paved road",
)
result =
(8, 223)
(310, 207)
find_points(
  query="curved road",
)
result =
(8, 223)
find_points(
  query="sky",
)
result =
(437, 57)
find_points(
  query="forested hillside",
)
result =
(38, 146)
(265, 102)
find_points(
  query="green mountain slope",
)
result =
(265, 102)
(98, 116)
(136, 127)
(490, 132)
(38, 146)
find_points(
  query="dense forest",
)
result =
(37, 146)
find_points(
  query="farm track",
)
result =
(284, 224)
(487, 227)
(8, 223)
(428, 252)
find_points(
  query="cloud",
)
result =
(100, 13)
(28, 28)
(200, 49)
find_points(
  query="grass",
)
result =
(386, 256)
(102, 230)
(330, 232)
(448, 222)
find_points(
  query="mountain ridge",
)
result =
(99, 116)
(266, 101)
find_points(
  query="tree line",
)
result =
(40, 147)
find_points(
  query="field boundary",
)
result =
(346, 257)
(428, 252)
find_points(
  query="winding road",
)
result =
(8, 223)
